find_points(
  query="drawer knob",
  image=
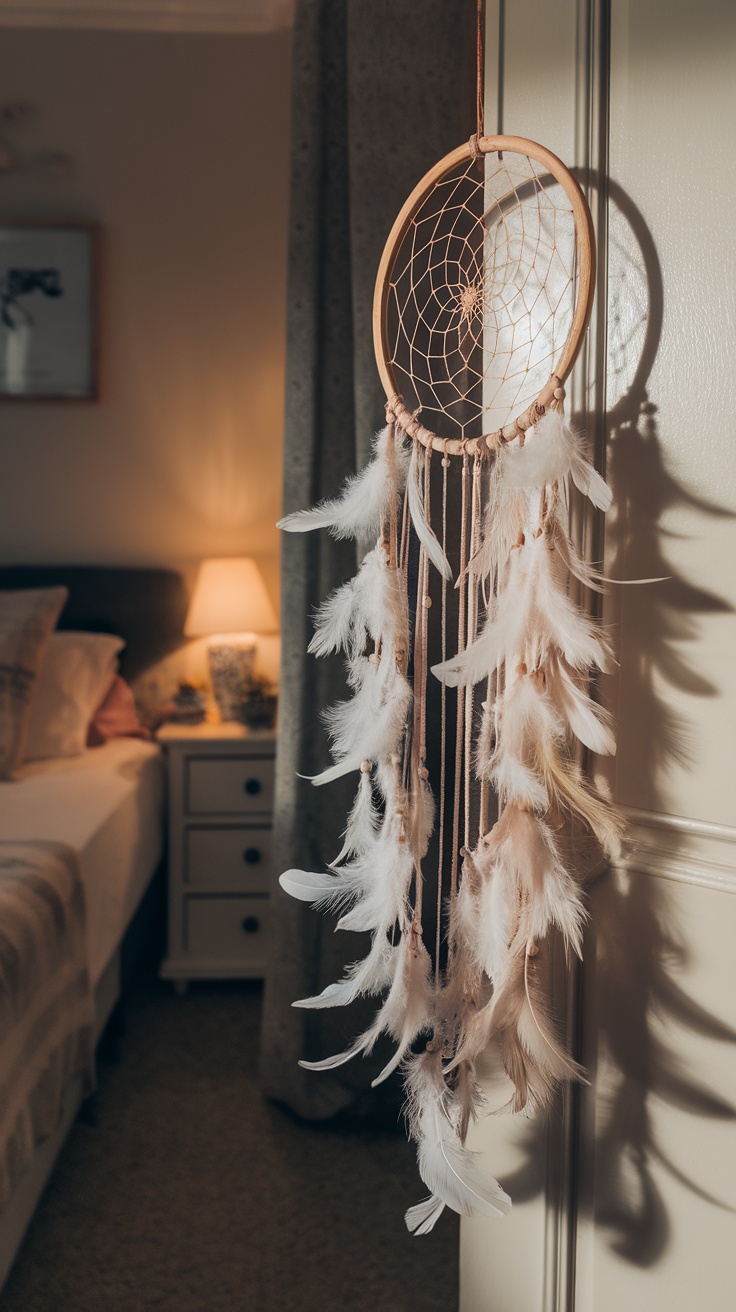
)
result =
(252, 786)
(251, 925)
(251, 856)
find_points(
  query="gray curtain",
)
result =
(382, 89)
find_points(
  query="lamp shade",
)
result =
(230, 597)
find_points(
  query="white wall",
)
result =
(633, 1207)
(180, 149)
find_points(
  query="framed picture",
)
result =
(48, 312)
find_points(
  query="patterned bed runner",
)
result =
(46, 1004)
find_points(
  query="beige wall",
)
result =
(180, 148)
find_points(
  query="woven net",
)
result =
(481, 294)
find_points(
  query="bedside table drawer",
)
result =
(228, 929)
(228, 785)
(239, 858)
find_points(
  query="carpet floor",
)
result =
(192, 1194)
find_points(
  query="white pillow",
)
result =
(75, 676)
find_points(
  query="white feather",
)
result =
(422, 529)
(369, 976)
(422, 1218)
(370, 725)
(509, 623)
(450, 1171)
(365, 501)
(372, 605)
(339, 1059)
(378, 880)
(363, 822)
(308, 887)
(335, 623)
(407, 1010)
(532, 615)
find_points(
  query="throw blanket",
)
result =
(46, 1005)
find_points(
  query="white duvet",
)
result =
(108, 806)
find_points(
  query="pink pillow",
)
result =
(116, 716)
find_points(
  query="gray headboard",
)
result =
(146, 607)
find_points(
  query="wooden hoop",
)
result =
(585, 239)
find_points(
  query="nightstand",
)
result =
(221, 780)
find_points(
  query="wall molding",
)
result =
(682, 849)
(216, 16)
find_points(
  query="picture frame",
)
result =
(48, 311)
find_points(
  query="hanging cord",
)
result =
(392, 528)
(419, 771)
(418, 744)
(460, 727)
(443, 734)
(479, 105)
(475, 521)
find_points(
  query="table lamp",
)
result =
(230, 606)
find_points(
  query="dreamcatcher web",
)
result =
(481, 294)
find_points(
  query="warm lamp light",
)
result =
(229, 597)
(230, 601)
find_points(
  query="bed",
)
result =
(81, 841)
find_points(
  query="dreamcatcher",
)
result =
(482, 298)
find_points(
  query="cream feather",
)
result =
(532, 615)
(503, 520)
(525, 717)
(527, 870)
(365, 501)
(550, 452)
(421, 818)
(405, 1013)
(588, 721)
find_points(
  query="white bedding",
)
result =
(107, 805)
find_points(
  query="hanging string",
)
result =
(443, 734)
(476, 511)
(460, 726)
(479, 106)
(419, 737)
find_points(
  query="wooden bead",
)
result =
(427, 601)
(366, 767)
(445, 462)
(559, 393)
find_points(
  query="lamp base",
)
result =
(231, 673)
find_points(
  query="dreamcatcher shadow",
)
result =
(636, 947)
